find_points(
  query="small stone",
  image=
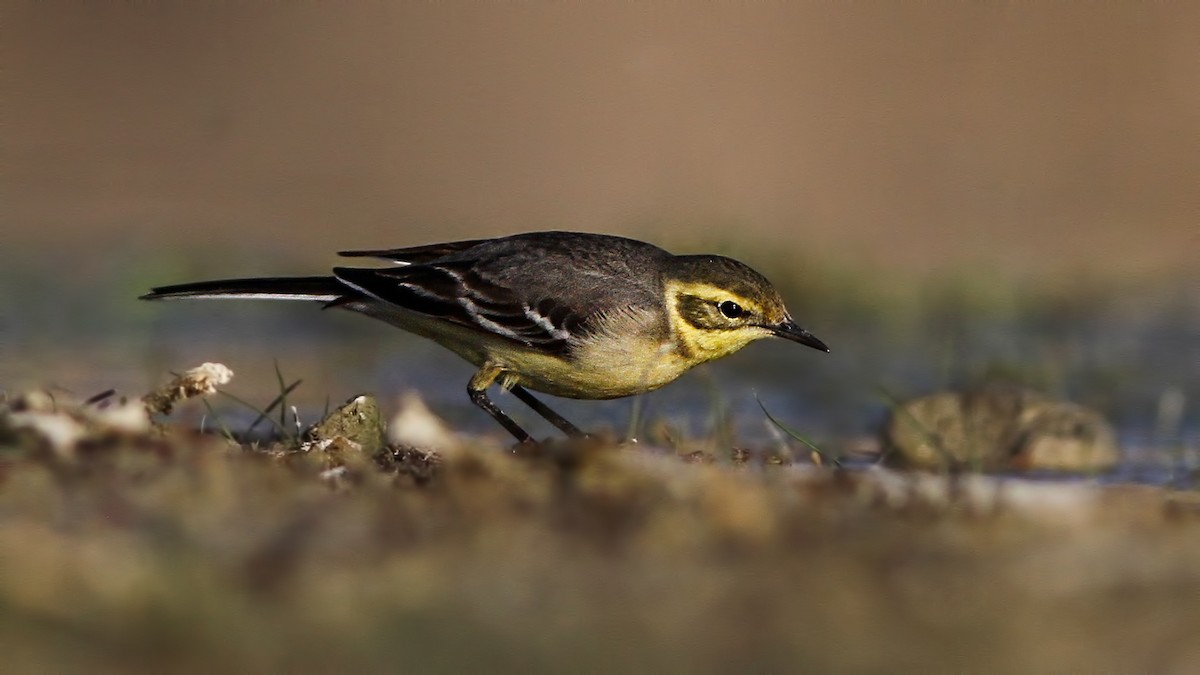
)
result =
(357, 420)
(415, 426)
(998, 428)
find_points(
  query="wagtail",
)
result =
(585, 316)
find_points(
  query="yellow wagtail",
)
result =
(585, 316)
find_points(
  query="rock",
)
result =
(999, 428)
(357, 420)
(415, 426)
(1063, 436)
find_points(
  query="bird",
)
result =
(570, 314)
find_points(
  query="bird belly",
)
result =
(623, 358)
(600, 369)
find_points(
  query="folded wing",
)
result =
(456, 292)
(416, 254)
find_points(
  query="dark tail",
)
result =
(319, 289)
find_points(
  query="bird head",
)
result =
(718, 305)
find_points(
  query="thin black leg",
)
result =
(480, 398)
(545, 411)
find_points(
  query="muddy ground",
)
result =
(134, 547)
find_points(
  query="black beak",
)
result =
(790, 331)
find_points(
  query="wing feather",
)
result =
(464, 297)
(416, 254)
(544, 290)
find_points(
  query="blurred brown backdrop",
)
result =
(1033, 137)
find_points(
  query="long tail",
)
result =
(320, 289)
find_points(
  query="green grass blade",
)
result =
(833, 459)
(265, 413)
(262, 414)
(283, 392)
(217, 420)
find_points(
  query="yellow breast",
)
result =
(626, 352)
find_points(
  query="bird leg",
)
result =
(477, 390)
(546, 413)
(480, 398)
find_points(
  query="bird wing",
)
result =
(460, 294)
(416, 254)
(537, 289)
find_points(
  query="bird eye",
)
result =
(731, 309)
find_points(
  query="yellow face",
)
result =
(711, 322)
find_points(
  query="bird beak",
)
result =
(790, 331)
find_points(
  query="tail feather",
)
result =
(320, 289)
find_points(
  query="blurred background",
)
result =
(947, 192)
